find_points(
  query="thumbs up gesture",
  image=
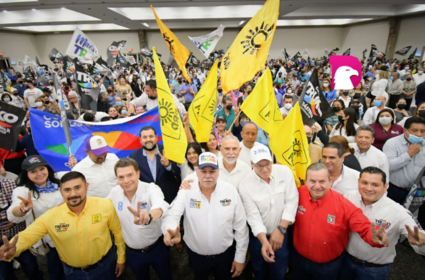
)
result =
(140, 217)
(172, 236)
(26, 204)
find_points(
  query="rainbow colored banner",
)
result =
(122, 136)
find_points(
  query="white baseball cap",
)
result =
(260, 152)
(207, 159)
(97, 145)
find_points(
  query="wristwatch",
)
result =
(282, 229)
(150, 219)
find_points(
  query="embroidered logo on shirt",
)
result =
(195, 204)
(225, 202)
(96, 218)
(61, 227)
(379, 223)
(143, 205)
(331, 219)
(395, 132)
(120, 205)
(301, 210)
(281, 181)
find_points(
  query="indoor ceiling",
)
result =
(37, 16)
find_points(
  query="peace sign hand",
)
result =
(172, 236)
(8, 250)
(164, 160)
(415, 237)
(26, 204)
(379, 237)
(140, 217)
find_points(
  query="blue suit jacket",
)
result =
(168, 181)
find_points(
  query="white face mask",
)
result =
(288, 106)
(38, 104)
(325, 84)
(420, 72)
(289, 91)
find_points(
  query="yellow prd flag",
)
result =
(290, 144)
(173, 135)
(261, 105)
(201, 111)
(249, 51)
(179, 52)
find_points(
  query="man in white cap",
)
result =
(214, 218)
(270, 198)
(97, 167)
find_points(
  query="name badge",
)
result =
(225, 202)
(195, 204)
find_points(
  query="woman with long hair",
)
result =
(379, 86)
(328, 92)
(350, 159)
(212, 145)
(191, 159)
(337, 106)
(346, 126)
(385, 128)
(37, 192)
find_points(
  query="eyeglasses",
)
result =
(262, 166)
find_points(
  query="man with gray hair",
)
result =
(366, 153)
(395, 90)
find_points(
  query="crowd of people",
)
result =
(230, 196)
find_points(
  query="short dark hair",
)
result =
(288, 97)
(105, 119)
(374, 170)
(146, 128)
(333, 145)
(413, 120)
(227, 99)
(88, 117)
(124, 162)
(365, 128)
(71, 176)
(151, 84)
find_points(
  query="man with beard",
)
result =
(154, 166)
(81, 232)
(97, 167)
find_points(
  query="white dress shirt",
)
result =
(384, 210)
(347, 181)
(101, 177)
(379, 88)
(371, 114)
(418, 79)
(341, 131)
(210, 226)
(151, 197)
(266, 204)
(373, 157)
(245, 153)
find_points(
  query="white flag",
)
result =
(207, 43)
(305, 52)
(326, 52)
(82, 47)
(27, 59)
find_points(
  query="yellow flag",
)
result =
(180, 53)
(249, 51)
(201, 111)
(290, 144)
(261, 105)
(173, 135)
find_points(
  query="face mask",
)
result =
(47, 102)
(340, 119)
(67, 88)
(408, 79)
(38, 104)
(309, 139)
(139, 82)
(51, 84)
(421, 113)
(20, 82)
(289, 91)
(110, 90)
(420, 72)
(406, 68)
(228, 107)
(378, 103)
(288, 106)
(325, 85)
(243, 123)
(370, 79)
(118, 103)
(220, 90)
(123, 112)
(6, 99)
(345, 93)
(336, 109)
(414, 139)
(181, 99)
(391, 78)
(385, 120)
(402, 106)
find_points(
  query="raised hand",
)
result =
(8, 250)
(72, 161)
(379, 237)
(415, 237)
(26, 204)
(186, 119)
(172, 236)
(164, 160)
(140, 217)
(186, 185)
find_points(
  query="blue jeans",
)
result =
(305, 269)
(353, 271)
(158, 257)
(29, 265)
(54, 265)
(105, 269)
(277, 269)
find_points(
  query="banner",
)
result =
(248, 52)
(64, 106)
(122, 136)
(412, 55)
(313, 104)
(403, 51)
(55, 56)
(82, 47)
(113, 51)
(207, 43)
(122, 61)
(347, 52)
(11, 118)
(87, 88)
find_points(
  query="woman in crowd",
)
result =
(379, 86)
(6, 98)
(123, 111)
(75, 105)
(212, 145)
(279, 78)
(191, 159)
(137, 86)
(359, 93)
(328, 92)
(37, 192)
(368, 83)
(295, 82)
(17, 100)
(409, 90)
(350, 159)
(246, 91)
(400, 110)
(385, 128)
(420, 112)
(39, 102)
(346, 126)
(344, 96)
(111, 95)
(122, 87)
(219, 129)
(331, 121)
(113, 113)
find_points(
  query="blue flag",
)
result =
(122, 136)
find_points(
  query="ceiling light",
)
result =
(145, 24)
(242, 22)
(43, 16)
(33, 10)
(4, 11)
(63, 8)
(68, 27)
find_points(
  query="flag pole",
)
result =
(237, 116)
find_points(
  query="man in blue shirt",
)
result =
(20, 87)
(304, 76)
(188, 92)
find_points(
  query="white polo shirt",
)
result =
(101, 177)
(245, 153)
(373, 157)
(347, 181)
(266, 204)
(384, 210)
(210, 226)
(151, 197)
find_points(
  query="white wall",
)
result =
(16, 46)
(411, 34)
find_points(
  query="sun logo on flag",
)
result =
(296, 147)
(258, 37)
(169, 42)
(226, 61)
(168, 114)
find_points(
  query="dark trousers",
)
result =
(220, 265)
(187, 105)
(397, 194)
(305, 269)
(277, 269)
(54, 265)
(408, 103)
(158, 257)
(393, 100)
(104, 270)
(29, 265)
(353, 271)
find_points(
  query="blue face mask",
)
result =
(407, 68)
(6, 99)
(378, 103)
(414, 139)
(123, 112)
(391, 78)
(118, 103)
(243, 122)
(139, 82)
